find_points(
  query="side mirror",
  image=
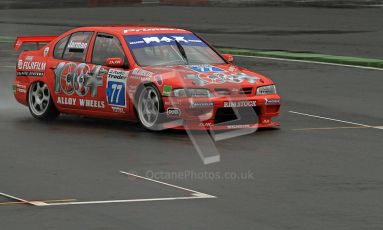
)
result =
(228, 57)
(114, 62)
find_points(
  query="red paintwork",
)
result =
(161, 76)
(32, 39)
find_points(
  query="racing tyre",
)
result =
(149, 107)
(40, 102)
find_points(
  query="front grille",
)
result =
(197, 111)
(246, 90)
(222, 91)
(228, 115)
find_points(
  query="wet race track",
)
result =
(322, 169)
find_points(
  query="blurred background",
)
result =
(97, 3)
(339, 27)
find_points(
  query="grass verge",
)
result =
(307, 56)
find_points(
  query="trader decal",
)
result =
(116, 87)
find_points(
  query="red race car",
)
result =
(163, 77)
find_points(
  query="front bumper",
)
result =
(220, 113)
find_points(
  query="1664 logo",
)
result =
(80, 79)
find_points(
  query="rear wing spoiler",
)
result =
(32, 39)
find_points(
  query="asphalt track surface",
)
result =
(311, 173)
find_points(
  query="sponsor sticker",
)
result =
(272, 101)
(205, 68)
(236, 104)
(118, 109)
(266, 121)
(116, 87)
(31, 65)
(88, 103)
(92, 103)
(150, 40)
(237, 126)
(66, 101)
(159, 80)
(220, 78)
(233, 68)
(29, 73)
(201, 104)
(20, 64)
(206, 124)
(29, 58)
(117, 74)
(173, 112)
(167, 90)
(46, 51)
(151, 29)
(21, 88)
(77, 45)
(73, 78)
(142, 72)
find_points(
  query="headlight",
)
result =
(192, 93)
(268, 89)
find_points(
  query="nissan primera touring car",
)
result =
(163, 77)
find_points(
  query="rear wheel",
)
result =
(40, 102)
(149, 107)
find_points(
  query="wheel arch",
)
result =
(43, 81)
(50, 112)
(137, 95)
(139, 89)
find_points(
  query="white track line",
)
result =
(167, 184)
(36, 203)
(337, 120)
(127, 201)
(194, 195)
(311, 62)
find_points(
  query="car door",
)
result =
(108, 54)
(77, 83)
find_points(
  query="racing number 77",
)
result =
(116, 93)
(116, 87)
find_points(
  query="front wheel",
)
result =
(149, 107)
(40, 102)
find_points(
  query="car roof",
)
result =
(134, 29)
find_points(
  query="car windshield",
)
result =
(171, 49)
